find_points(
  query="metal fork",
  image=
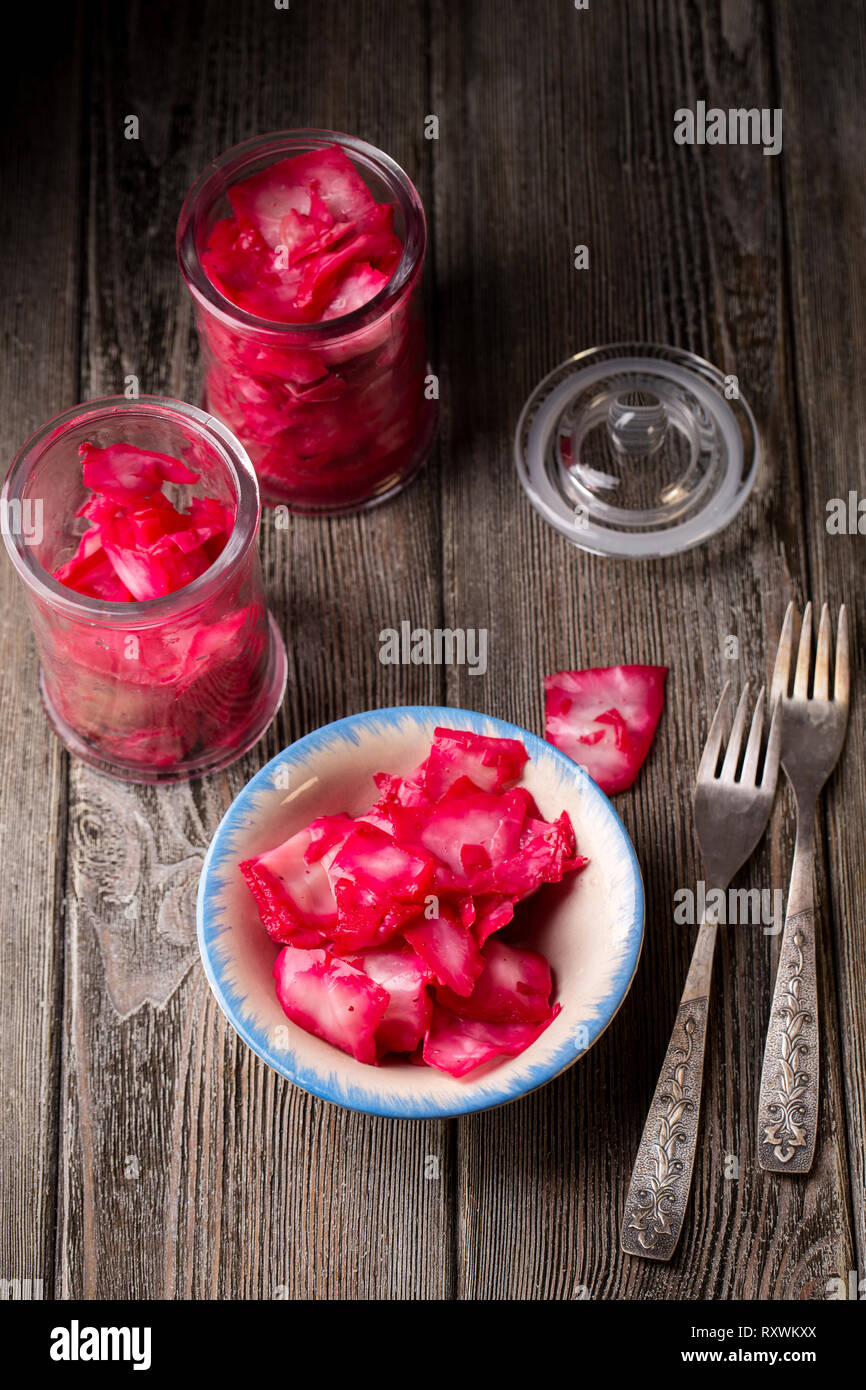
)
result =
(730, 815)
(812, 731)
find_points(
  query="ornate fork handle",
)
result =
(662, 1174)
(788, 1107)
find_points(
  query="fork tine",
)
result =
(718, 729)
(821, 683)
(841, 679)
(753, 747)
(774, 748)
(732, 754)
(804, 656)
(782, 668)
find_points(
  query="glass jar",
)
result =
(168, 688)
(339, 414)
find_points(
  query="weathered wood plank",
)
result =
(556, 130)
(38, 371)
(821, 68)
(241, 1186)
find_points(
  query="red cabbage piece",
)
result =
(401, 791)
(306, 240)
(405, 977)
(294, 896)
(139, 545)
(322, 186)
(331, 998)
(357, 287)
(513, 987)
(123, 473)
(153, 570)
(378, 884)
(605, 719)
(491, 914)
(91, 572)
(327, 834)
(468, 835)
(449, 949)
(459, 1045)
(491, 764)
(545, 854)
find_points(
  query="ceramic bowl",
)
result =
(590, 927)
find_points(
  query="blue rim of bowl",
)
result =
(331, 1087)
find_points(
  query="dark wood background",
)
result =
(146, 1153)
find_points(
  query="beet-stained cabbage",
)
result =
(605, 718)
(389, 920)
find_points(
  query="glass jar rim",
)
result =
(343, 325)
(144, 612)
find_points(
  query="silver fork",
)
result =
(812, 731)
(730, 815)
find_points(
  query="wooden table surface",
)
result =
(146, 1153)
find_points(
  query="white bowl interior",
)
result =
(590, 928)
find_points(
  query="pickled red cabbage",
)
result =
(306, 240)
(153, 693)
(331, 998)
(457, 1045)
(331, 418)
(410, 896)
(139, 545)
(605, 719)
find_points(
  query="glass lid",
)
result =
(637, 449)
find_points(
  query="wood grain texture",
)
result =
(39, 227)
(820, 67)
(148, 1153)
